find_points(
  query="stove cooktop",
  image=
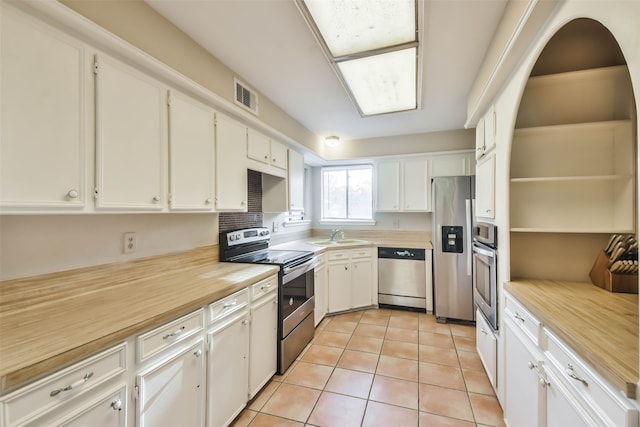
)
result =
(271, 256)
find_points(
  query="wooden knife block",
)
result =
(613, 282)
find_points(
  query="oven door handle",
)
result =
(290, 273)
(478, 250)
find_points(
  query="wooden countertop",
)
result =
(51, 321)
(600, 326)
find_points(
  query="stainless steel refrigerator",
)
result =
(452, 218)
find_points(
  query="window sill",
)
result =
(348, 222)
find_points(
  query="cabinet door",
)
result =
(321, 294)
(454, 165)
(480, 138)
(231, 171)
(486, 344)
(278, 155)
(257, 146)
(263, 346)
(361, 280)
(172, 393)
(296, 181)
(485, 187)
(524, 405)
(109, 411)
(191, 154)
(339, 278)
(416, 188)
(228, 377)
(388, 186)
(562, 410)
(490, 127)
(130, 138)
(42, 117)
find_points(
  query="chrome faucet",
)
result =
(335, 231)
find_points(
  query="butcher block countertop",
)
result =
(51, 321)
(600, 326)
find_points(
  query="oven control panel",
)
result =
(247, 235)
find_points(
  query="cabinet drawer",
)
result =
(34, 400)
(525, 320)
(163, 337)
(320, 260)
(361, 253)
(487, 346)
(264, 287)
(600, 397)
(338, 255)
(228, 305)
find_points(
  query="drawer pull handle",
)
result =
(572, 374)
(173, 334)
(117, 405)
(263, 287)
(541, 378)
(517, 316)
(73, 385)
(483, 331)
(230, 304)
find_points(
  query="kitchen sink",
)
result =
(343, 242)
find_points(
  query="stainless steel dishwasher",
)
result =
(402, 278)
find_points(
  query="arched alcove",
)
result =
(573, 165)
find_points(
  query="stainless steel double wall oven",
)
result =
(296, 301)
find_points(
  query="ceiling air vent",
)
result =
(246, 97)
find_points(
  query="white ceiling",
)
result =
(268, 43)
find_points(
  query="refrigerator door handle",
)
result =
(467, 204)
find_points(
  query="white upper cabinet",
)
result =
(485, 186)
(191, 154)
(296, 181)
(416, 189)
(42, 121)
(130, 138)
(270, 156)
(388, 186)
(486, 133)
(231, 171)
(451, 165)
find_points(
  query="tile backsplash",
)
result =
(252, 218)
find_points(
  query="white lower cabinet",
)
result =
(487, 345)
(108, 411)
(350, 274)
(263, 334)
(189, 371)
(228, 364)
(321, 291)
(172, 392)
(548, 385)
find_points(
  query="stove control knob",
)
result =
(264, 233)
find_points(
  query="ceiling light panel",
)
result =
(383, 83)
(352, 26)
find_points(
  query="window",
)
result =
(347, 193)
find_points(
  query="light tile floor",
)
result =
(381, 367)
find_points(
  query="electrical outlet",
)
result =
(130, 243)
(396, 223)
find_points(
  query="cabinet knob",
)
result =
(197, 353)
(346, 267)
(156, 199)
(117, 405)
(266, 157)
(242, 203)
(73, 194)
(273, 160)
(245, 322)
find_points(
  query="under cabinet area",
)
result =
(350, 274)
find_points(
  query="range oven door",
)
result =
(295, 312)
(485, 278)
